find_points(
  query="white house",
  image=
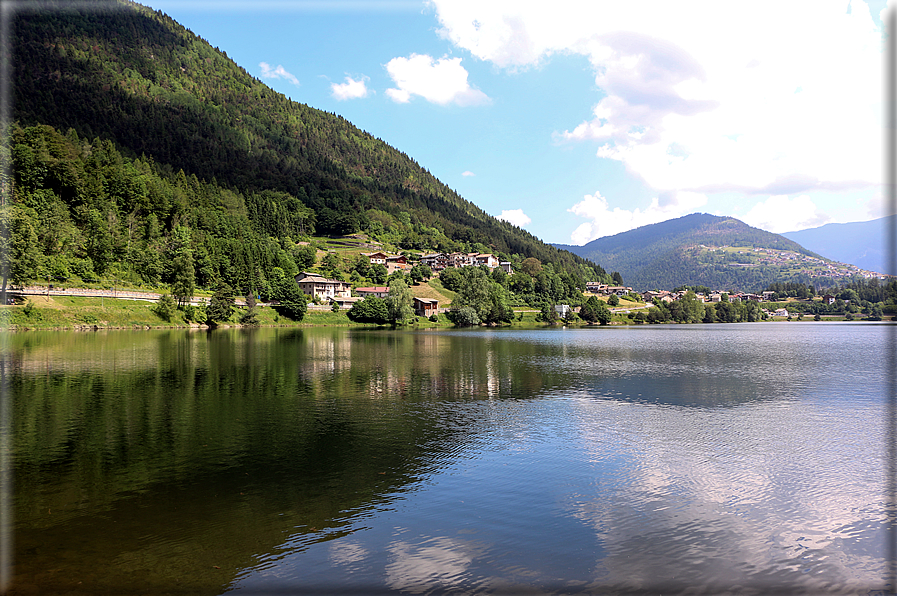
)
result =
(317, 286)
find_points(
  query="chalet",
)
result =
(376, 291)
(424, 307)
(596, 287)
(664, 295)
(396, 263)
(320, 287)
(486, 259)
(767, 295)
(377, 258)
(828, 299)
(435, 261)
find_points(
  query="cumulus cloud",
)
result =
(468, 173)
(705, 109)
(605, 221)
(351, 89)
(780, 214)
(515, 216)
(442, 81)
(277, 73)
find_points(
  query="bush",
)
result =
(465, 316)
(434, 318)
(369, 310)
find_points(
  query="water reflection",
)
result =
(572, 461)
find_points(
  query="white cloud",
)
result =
(607, 222)
(702, 108)
(515, 216)
(780, 214)
(351, 89)
(277, 73)
(467, 174)
(442, 81)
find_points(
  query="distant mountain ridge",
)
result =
(860, 243)
(708, 250)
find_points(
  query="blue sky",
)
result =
(577, 120)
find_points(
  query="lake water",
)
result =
(744, 459)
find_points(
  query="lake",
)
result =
(748, 458)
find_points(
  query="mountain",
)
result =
(707, 250)
(140, 119)
(860, 243)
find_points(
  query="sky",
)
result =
(577, 120)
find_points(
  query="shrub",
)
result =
(464, 317)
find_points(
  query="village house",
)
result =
(391, 262)
(377, 258)
(828, 299)
(618, 290)
(424, 307)
(486, 259)
(345, 302)
(396, 263)
(317, 286)
(376, 291)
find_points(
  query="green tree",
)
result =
(378, 274)
(489, 299)
(602, 313)
(221, 306)
(421, 272)
(182, 271)
(589, 310)
(250, 316)
(614, 300)
(464, 317)
(165, 307)
(305, 256)
(369, 310)
(399, 302)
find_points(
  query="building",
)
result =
(486, 259)
(377, 258)
(396, 263)
(344, 302)
(424, 307)
(376, 291)
(318, 286)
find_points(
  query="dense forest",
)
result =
(136, 144)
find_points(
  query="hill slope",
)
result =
(703, 249)
(860, 243)
(137, 79)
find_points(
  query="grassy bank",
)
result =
(76, 312)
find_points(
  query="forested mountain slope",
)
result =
(707, 250)
(193, 138)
